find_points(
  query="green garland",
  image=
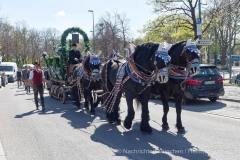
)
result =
(57, 64)
(63, 58)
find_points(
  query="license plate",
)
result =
(209, 82)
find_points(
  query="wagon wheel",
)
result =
(62, 95)
(50, 90)
(50, 93)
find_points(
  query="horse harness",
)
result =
(179, 72)
(132, 73)
(83, 73)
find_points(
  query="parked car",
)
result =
(237, 79)
(208, 83)
(29, 65)
(10, 69)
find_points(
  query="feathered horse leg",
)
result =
(131, 113)
(144, 98)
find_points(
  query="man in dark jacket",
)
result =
(74, 57)
(19, 78)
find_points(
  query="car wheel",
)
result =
(213, 99)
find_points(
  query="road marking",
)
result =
(2, 154)
(228, 99)
(221, 115)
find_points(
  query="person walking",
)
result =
(25, 77)
(19, 78)
(36, 79)
(47, 77)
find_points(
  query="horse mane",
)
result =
(86, 63)
(145, 51)
(175, 53)
(174, 46)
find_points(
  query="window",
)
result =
(6, 68)
(208, 71)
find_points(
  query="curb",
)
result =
(231, 100)
(2, 154)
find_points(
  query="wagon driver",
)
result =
(74, 57)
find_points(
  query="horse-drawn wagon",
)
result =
(60, 82)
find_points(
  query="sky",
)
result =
(62, 14)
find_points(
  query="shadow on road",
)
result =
(77, 118)
(20, 94)
(204, 105)
(27, 114)
(135, 145)
(131, 144)
(195, 105)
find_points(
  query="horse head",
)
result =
(191, 54)
(115, 55)
(162, 60)
(94, 66)
(150, 58)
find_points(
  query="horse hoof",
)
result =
(95, 106)
(92, 112)
(110, 121)
(181, 130)
(127, 125)
(147, 130)
(87, 108)
(165, 127)
(118, 122)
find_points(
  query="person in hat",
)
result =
(74, 57)
(36, 79)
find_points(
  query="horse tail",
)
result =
(105, 76)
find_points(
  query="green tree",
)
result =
(170, 30)
(187, 9)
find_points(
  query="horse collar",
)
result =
(138, 76)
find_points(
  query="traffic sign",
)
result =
(199, 20)
(199, 29)
(199, 26)
(202, 42)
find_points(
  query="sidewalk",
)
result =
(232, 93)
(2, 154)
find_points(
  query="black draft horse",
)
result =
(135, 78)
(88, 77)
(184, 61)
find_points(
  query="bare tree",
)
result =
(23, 45)
(225, 28)
(50, 38)
(124, 28)
(112, 32)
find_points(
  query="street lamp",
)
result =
(93, 30)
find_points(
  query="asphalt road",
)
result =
(65, 133)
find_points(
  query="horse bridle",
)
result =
(184, 54)
(164, 56)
